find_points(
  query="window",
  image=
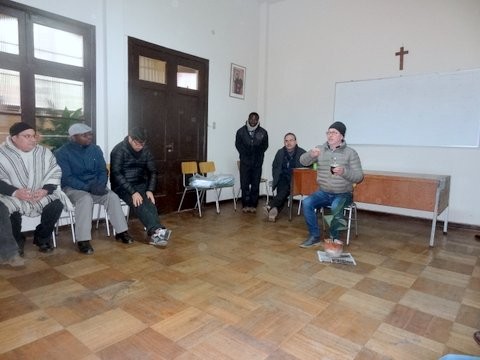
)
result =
(47, 72)
(187, 77)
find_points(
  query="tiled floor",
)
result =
(232, 286)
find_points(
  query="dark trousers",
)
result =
(250, 184)
(282, 194)
(8, 246)
(146, 212)
(43, 231)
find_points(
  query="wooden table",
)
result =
(424, 192)
(304, 182)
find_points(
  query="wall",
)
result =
(294, 51)
(223, 32)
(311, 44)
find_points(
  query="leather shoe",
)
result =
(124, 237)
(21, 245)
(85, 248)
(43, 244)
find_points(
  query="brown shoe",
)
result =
(476, 337)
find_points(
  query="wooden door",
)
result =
(168, 97)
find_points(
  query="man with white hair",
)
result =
(84, 180)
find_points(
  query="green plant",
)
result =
(54, 129)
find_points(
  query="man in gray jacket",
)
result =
(338, 169)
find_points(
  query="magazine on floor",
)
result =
(343, 258)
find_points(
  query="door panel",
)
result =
(175, 117)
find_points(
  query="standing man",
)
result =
(30, 179)
(251, 142)
(84, 180)
(338, 169)
(286, 159)
(134, 178)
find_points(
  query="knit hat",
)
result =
(139, 134)
(18, 127)
(77, 129)
(339, 126)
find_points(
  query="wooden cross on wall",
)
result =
(401, 53)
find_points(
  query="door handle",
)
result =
(169, 147)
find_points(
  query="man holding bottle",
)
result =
(338, 169)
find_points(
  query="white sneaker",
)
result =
(160, 238)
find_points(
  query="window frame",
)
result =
(28, 65)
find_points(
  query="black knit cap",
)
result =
(18, 127)
(139, 134)
(339, 126)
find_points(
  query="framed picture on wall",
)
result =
(237, 81)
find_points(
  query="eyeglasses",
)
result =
(332, 133)
(139, 143)
(28, 136)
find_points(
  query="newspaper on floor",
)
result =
(343, 258)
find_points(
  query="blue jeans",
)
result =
(321, 199)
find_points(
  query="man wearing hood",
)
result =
(251, 142)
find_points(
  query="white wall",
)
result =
(223, 32)
(294, 51)
(311, 44)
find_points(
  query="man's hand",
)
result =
(314, 153)
(98, 189)
(39, 194)
(137, 199)
(23, 194)
(151, 197)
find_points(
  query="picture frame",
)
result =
(237, 81)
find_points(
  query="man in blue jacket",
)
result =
(84, 180)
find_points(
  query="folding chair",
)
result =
(208, 168)
(190, 169)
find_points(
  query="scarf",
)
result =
(30, 170)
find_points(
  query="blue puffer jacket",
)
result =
(81, 166)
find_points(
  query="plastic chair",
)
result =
(207, 168)
(263, 180)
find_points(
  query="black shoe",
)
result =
(124, 237)
(85, 248)
(21, 246)
(477, 237)
(44, 245)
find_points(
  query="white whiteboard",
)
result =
(419, 110)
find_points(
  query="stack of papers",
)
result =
(343, 258)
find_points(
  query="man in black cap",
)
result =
(30, 186)
(338, 169)
(133, 176)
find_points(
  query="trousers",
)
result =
(320, 199)
(84, 201)
(146, 212)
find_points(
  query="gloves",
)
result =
(98, 189)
